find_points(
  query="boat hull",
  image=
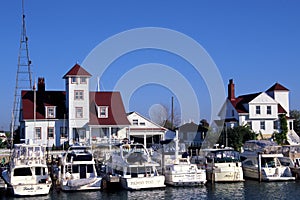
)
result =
(26, 189)
(30, 190)
(185, 179)
(225, 172)
(83, 184)
(143, 182)
(268, 174)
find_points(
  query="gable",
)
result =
(139, 121)
(263, 98)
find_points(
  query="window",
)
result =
(103, 112)
(38, 133)
(73, 79)
(40, 171)
(275, 124)
(78, 94)
(232, 113)
(135, 122)
(79, 112)
(83, 80)
(291, 126)
(269, 110)
(50, 112)
(63, 132)
(75, 168)
(142, 124)
(262, 125)
(89, 169)
(24, 171)
(249, 123)
(257, 110)
(50, 132)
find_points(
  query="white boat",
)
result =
(261, 160)
(134, 167)
(223, 165)
(291, 158)
(27, 174)
(78, 170)
(181, 172)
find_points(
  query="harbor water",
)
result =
(249, 189)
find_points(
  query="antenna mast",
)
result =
(23, 77)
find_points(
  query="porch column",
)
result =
(90, 128)
(145, 140)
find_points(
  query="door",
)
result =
(82, 171)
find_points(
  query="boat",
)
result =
(77, 170)
(223, 165)
(27, 174)
(261, 161)
(134, 167)
(180, 171)
(291, 158)
(183, 173)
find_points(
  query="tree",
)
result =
(163, 116)
(280, 137)
(236, 136)
(295, 114)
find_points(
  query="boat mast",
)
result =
(23, 76)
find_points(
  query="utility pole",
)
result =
(23, 76)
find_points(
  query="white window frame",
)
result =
(36, 130)
(135, 122)
(48, 131)
(50, 111)
(78, 95)
(73, 79)
(102, 111)
(83, 80)
(257, 110)
(79, 112)
(269, 110)
(262, 125)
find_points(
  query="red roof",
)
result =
(277, 86)
(43, 98)
(281, 110)
(238, 103)
(77, 70)
(116, 110)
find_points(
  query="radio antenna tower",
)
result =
(23, 76)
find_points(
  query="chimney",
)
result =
(41, 84)
(231, 95)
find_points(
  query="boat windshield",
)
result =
(269, 162)
(223, 156)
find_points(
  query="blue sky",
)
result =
(257, 43)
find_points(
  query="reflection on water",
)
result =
(244, 190)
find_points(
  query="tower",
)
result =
(23, 76)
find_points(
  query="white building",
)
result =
(143, 130)
(74, 115)
(259, 110)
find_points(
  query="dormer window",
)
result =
(73, 79)
(50, 111)
(102, 111)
